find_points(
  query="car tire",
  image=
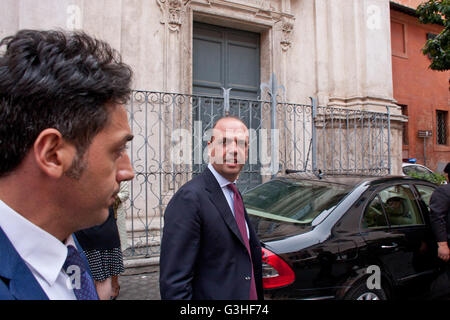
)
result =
(360, 291)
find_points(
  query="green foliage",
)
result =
(432, 177)
(437, 12)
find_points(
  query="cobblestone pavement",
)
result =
(143, 286)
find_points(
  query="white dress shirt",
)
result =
(227, 192)
(43, 253)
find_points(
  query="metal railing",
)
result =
(171, 133)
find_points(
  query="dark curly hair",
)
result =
(56, 79)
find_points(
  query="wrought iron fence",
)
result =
(171, 133)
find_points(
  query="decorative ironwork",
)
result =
(170, 146)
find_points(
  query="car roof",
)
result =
(350, 180)
(406, 164)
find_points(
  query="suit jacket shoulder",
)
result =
(188, 197)
(195, 185)
(440, 199)
(439, 212)
(16, 280)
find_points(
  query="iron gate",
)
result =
(169, 147)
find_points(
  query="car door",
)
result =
(382, 244)
(394, 230)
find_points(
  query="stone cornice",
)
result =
(256, 15)
(353, 100)
(367, 103)
(260, 10)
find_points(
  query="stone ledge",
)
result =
(142, 265)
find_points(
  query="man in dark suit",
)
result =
(209, 248)
(63, 131)
(440, 216)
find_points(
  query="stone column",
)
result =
(9, 22)
(353, 61)
(174, 18)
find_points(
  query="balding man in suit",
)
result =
(209, 248)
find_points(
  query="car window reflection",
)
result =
(293, 201)
(395, 206)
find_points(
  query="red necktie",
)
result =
(240, 220)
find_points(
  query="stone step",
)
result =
(141, 265)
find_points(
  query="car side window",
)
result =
(425, 193)
(374, 216)
(400, 206)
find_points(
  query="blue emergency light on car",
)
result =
(412, 160)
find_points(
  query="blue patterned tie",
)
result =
(82, 283)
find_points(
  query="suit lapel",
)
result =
(22, 283)
(218, 199)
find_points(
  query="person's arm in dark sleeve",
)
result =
(439, 208)
(179, 246)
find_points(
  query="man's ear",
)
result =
(210, 150)
(52, 153)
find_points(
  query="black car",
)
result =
(345, 237)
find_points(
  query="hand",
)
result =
(443, 251)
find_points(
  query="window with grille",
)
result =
(441, 126)
(405, 124)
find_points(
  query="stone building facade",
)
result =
(338, 52)
(422, 93)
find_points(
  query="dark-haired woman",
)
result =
(101, 245)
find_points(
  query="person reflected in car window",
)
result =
(395, 207)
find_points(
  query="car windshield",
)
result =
(292, 200)
(415, 169)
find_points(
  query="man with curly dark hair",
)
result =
(63, 136)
